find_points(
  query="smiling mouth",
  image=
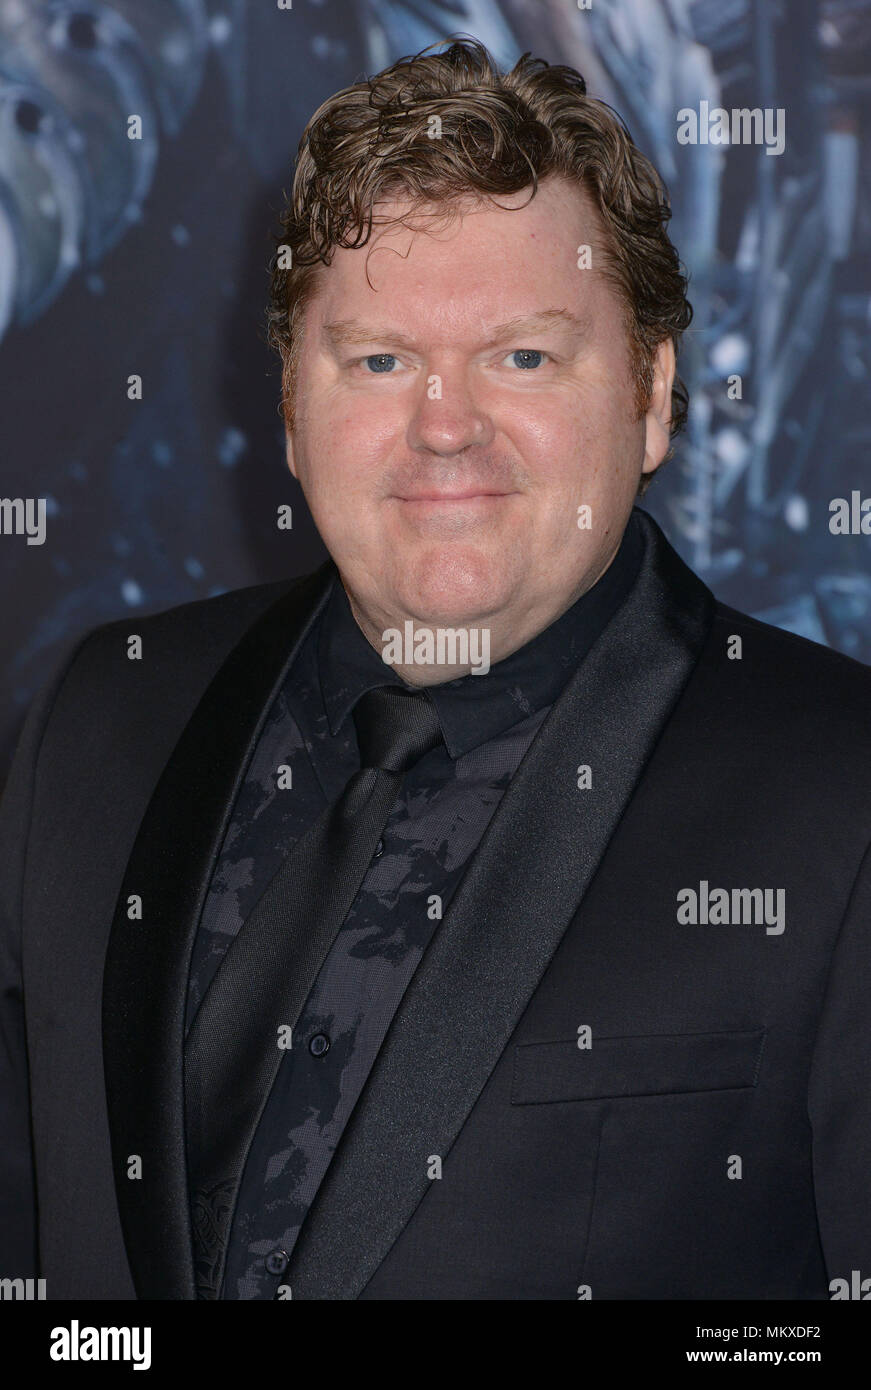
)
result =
(473, 495)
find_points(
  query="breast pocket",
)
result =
(655, 1064)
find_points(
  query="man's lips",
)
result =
(467, 495)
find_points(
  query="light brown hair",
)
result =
(500, 133)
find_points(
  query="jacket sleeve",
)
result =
(839, 1095)
(18, 1231)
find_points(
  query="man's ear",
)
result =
(658, 417)
(289, 452)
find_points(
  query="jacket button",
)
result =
(277, 1261)
(319, 1044)
(379, 849)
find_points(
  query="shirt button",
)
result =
(277, 1261)
(319, 1044)
(379, 849)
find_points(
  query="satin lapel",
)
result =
(145, 980)
(521, 891)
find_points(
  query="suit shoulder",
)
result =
(789, 679)
(785, 720)
(797, 654)
(183, 646)
(215, 616)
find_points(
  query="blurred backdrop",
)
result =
(149, 256)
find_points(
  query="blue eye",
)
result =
(381, 361)
(530, 357)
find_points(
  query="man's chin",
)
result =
(453, 590)
(444, 608)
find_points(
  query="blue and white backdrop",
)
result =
(148, 257)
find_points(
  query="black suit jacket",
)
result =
(713, 1141)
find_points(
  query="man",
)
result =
(486, 915)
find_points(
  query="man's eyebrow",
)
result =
(353, 331)
(347, 331)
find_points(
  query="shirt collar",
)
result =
(475, 708)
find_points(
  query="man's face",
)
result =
(456, 408)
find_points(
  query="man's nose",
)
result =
(448, 416)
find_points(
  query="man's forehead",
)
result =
(566, 209)
(339, 322)
(347, 331)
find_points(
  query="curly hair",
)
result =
(498, 133)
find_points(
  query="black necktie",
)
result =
(233, 1052)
